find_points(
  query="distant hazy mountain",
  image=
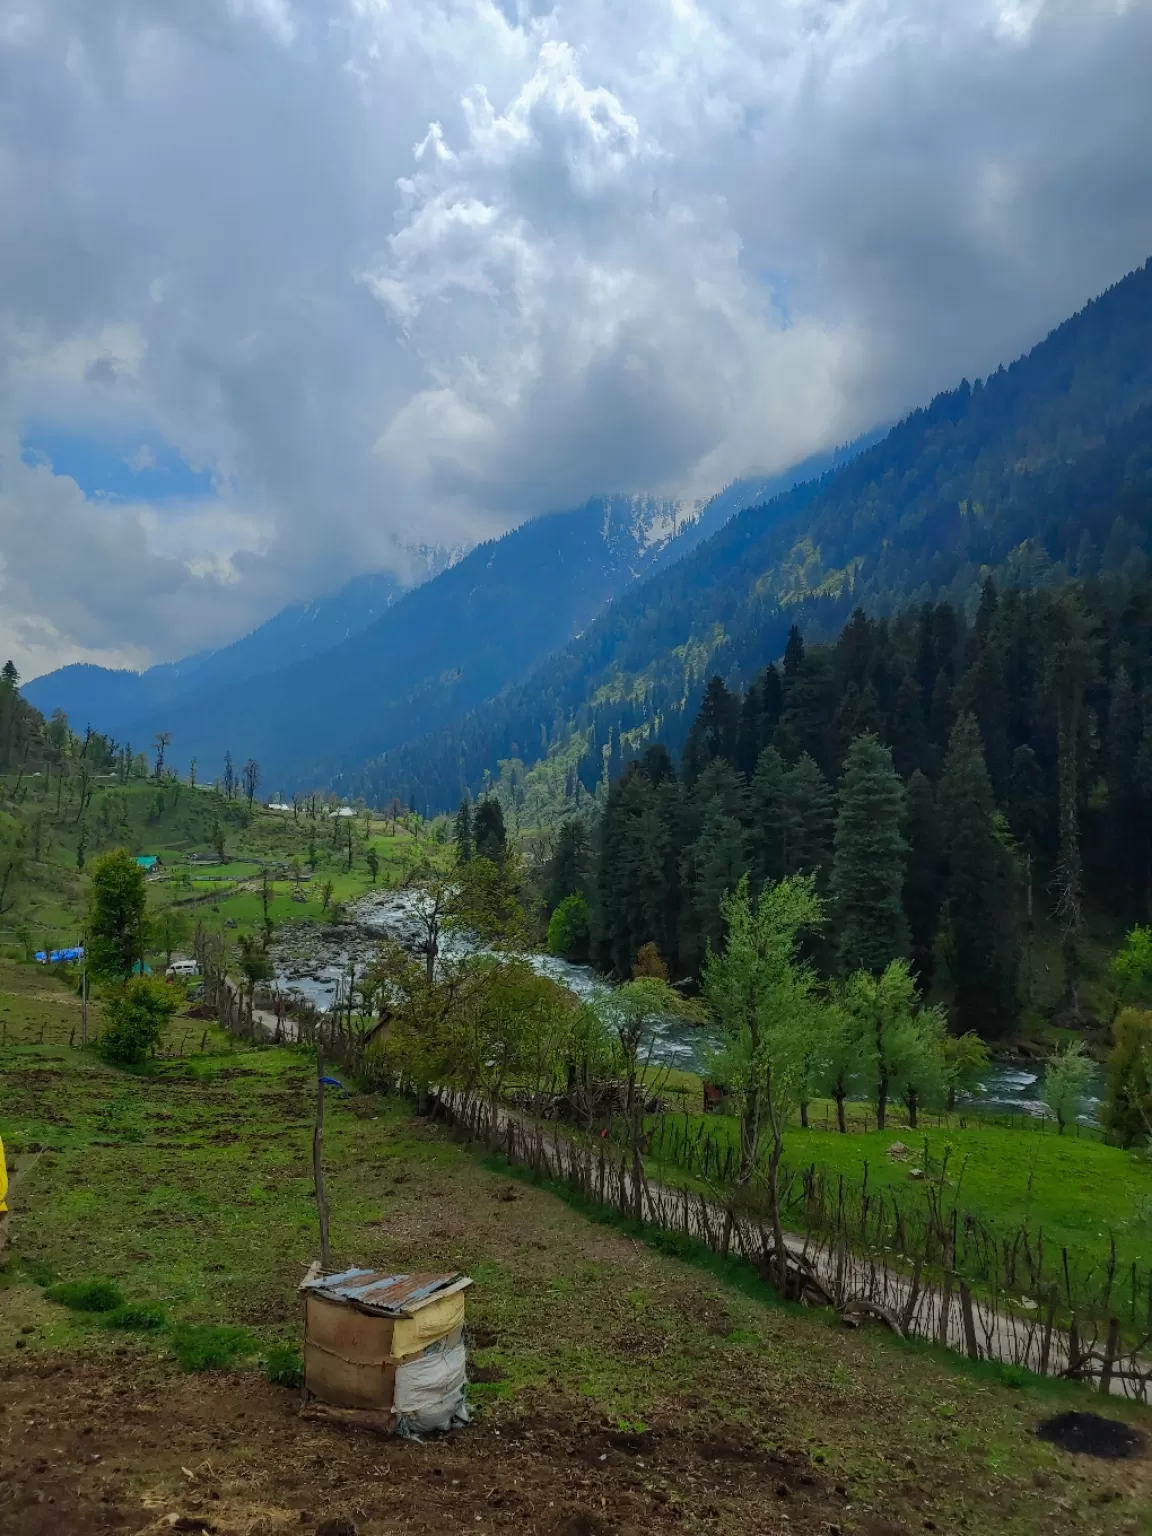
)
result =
(1040, 472)
(113, 701)
(307, 708)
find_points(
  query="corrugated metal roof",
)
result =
(375, 1290)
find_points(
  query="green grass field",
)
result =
(1081, 1193)
(49, 901)
(660, 1394)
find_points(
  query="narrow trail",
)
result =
(947, 1314)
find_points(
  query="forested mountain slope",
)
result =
(1041, 471)
(439, 651)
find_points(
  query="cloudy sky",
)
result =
(286, 285)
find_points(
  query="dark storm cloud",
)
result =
(387, 272)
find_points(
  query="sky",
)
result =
(287, 287)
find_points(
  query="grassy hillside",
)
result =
(1036, 474)
(48, 898)
(617, 1389)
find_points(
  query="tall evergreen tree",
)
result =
(714, 731)
(768, 833)
(868, 866)
(982, 939)
(489, 835)
(808, 821)
(924, 876)
(567, 873)
(462, 831)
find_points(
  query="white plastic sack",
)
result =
(429, 1390)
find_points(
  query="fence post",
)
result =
(1110, 1350)
(945, 1310)
(969, 1322)
(1046, 1343)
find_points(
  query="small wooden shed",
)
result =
(388, 1347)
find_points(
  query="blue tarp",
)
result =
(56, 955)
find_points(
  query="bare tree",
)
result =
(229, 777)
(162, 742)
(251, 776)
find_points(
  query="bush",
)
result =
(137, 1317)
(568, 929)
(207, 1347)
(1128, 1106)
(86, 1295)
(136, 1014)
(284, 1367)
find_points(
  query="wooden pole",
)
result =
(318, 1162)
(84, 998)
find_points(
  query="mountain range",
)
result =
(324, 684)
(1040, 473)
(569, 643)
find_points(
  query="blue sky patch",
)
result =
(141, 468)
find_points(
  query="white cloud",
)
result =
(390, 268)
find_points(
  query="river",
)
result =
(315, 964)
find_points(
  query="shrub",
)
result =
(568, 929)
(137, 1317)
(208, 1347)
(1128, 1106)
(284, 1367)
(86, 1295)
(136, 1014)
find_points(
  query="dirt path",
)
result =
(931, 1312)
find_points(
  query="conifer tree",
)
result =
(489, 836)
(768, 835)
(462, 831)
(981, 919)
(868, 866)
(568, 867)
(808, 820)
(924, 876)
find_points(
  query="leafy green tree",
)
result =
(868, 866)
(840, 1066)
(255, 967)
(1066, 1079)
(1128, 1104)
(135, 1014)
(884, 1008)
(170, 929)
(118, 926)
(764, 999)
(922, 1077)
(568, 934)
(1132, 963)
(966, 1061)
(372, 859)
(629, 1015)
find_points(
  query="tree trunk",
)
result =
(804, 1115)
(882, 1104)
(318, 1164)
(841, 1124)
(911, 1101)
